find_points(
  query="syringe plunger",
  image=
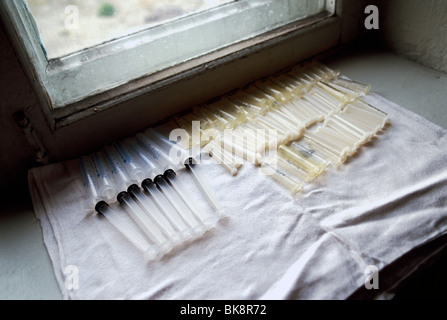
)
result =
(126, 229)
(203, 185)
(179, 205)
(207, 219)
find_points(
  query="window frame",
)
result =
(177, 89)
(33, 57)
(156, 48)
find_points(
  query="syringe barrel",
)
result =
(119, 173)
(352, 85)
(174, 151)
(141, 156)
(90, 183)
(131, 164)
(178, 204)
(292, 185)
(126, 229)
(207, 219)
(300, 160)
(310, 154)
(206, 189)
(153, 211)
(161, 160)
(293, 168)
(165, 206)
(162, 142)
(151, 230)
(223, 158)
(106, 184)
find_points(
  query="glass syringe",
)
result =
(292, 185)
(141, 156)
(121, 176)
(300, 160)
(151, 230)
(181, 207)
(90, 184)
(310, 155)
(165, 205)
(171, 149)
(207, 219)
(128, 230)
(161, 160)
(206, 189)
(293, 168)
(106, 184)
(222, 157)
(147, 203)
(132, 165)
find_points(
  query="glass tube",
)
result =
(149, 206)
(187, 197)
(292, 185)
(106, 184)
(119, 173)
(206, 189)
(90, 183)
(183, 210)
(165, 205)
(128, 230)
(151, 230)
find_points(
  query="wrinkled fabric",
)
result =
(383, 203)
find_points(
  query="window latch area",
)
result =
(32, 137)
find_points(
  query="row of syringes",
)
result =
(135, 176)
(289, 105)
(339, 138)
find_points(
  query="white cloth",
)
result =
(386, 201)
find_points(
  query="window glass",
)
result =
(85, 50)
(67, 26)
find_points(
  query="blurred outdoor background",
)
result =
(67, 26)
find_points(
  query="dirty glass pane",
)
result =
(94, 46)
(67, 26)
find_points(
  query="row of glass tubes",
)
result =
(289, 104)
(134, 176)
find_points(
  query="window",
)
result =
(88, 57)
(68, 27)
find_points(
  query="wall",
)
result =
(416, 29)
(15, 94)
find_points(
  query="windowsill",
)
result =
(27, 270)
(418, 88)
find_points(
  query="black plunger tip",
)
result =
(100, 205)
(133, 188)
(146, 183)
(190, 162)
(121, 195)
(159, 178)
(169, 173)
